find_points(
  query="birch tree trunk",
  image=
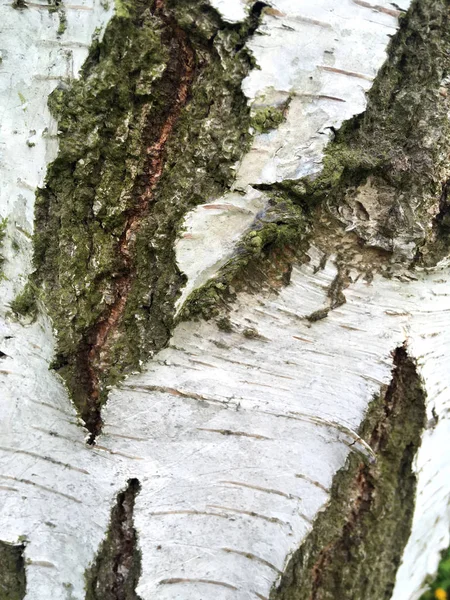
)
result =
(225, 303)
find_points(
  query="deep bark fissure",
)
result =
(365, 479)
(116, 570)
(357, 542)
(182, 65)
(161, 79)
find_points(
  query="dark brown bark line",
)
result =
(356, 545)
(145, 136)
(365, 481)
(116, 571)
(182, 64)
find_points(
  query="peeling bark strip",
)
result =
(357, 543)
(12, 572)
(116, 571)
(153, 127)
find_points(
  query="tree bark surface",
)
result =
(225, 305)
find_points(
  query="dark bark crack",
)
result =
(356, 545)
(181, 70)
(154, 125)
(116, 570)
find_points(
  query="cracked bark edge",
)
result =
(357, 542)
(388, 145)
(116, 570)
(12, 572)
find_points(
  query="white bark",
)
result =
(235, 439)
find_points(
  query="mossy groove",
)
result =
(181, 68)
(356, 545)
(12, 572)
(116, 570)
(153, 127)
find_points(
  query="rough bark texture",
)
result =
(358, 541)
(384, 176)
(114, 199)
(115, 572)
(249, 458)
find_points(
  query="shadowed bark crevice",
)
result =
(12, 572)
(116, 570)
(356, 544)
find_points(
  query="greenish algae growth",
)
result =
(251, 333)
(225, 325)
(356, 544)
(262, 259)
(57, 6)
(116, 570)
(25, 303)
(107, 119)
(12, 572)
(121, 9)
(22, 98)
(265, 119)
(401, 139)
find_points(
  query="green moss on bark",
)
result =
(106, 121)
(25, 303)
(268, 118)
(116, 570)
(12, 572)
(357, 542)
(261, 260)
(57, 6)
(400, 143)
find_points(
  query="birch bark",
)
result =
(225, 300)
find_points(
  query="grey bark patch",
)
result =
(356, 544)
(116, 570)
(12, 572)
